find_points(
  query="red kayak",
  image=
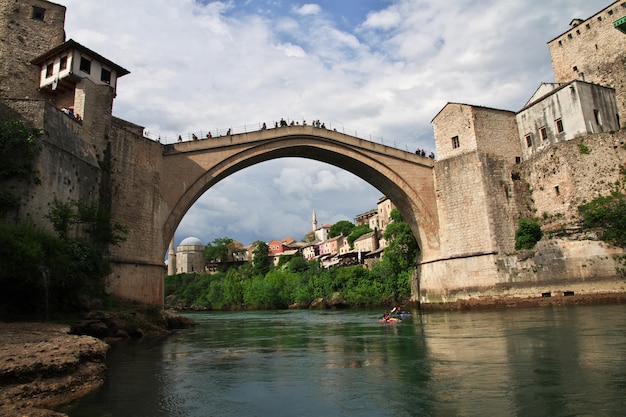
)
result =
(390, 320)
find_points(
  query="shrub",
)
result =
(608, 214)
(527, 234)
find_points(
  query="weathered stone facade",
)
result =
(561, 112)
(24, 34)
(593, 50)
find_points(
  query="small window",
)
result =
(569, 36)
(560, 43)
(529, 140)
(610, 12)
(544, 133)
(49, 70)
(588, 26)
(596, 115)
(38, 13)
(557, 190)
(63, 64)
(85, 65)
(455, 142)
(105, 76)
(559, 125)
(575, 68)
(599, 18)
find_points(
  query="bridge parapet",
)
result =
(293, 131)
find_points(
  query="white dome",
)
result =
(191, 241)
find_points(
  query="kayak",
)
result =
(390, 320)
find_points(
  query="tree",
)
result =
(261, 260)
(357, 232)
(527, 234)
(218, 251)
(403, 248)
(342, 227)
(608, 214)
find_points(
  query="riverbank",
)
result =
(44, 365)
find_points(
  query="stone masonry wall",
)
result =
(135, 168)
(465, 227)
(454, 120)
(68, 166)
(23, 38)
(497, 130)
(594, 51)
(562, 177)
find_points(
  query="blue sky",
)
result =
(381, 67)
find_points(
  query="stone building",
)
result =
(593, 50)
(476, 147)
(563, 111)
(190, 256)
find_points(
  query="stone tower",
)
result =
(314, 221)
(32, 28)
(171, 259)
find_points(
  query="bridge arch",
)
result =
(405, 178)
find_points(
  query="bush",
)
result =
(608, 214)
(527, 234)
(40, 273)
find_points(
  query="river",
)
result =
(546, 361)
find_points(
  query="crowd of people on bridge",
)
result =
(284, 123)
(422, 152)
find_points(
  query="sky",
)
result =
(382, 68)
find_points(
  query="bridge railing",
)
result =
(253, 127)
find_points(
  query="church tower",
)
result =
(314, 221)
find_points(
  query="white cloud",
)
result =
(308, 9)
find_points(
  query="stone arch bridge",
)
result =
(182, 172)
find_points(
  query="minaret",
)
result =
(171, 260)
(314, 221)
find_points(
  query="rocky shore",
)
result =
(44, 365)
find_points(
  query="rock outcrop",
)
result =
(43, 366)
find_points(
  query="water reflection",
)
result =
(535, 362)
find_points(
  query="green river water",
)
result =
(554, 361)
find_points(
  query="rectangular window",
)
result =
(596, 115)
(63, 64)
(49, 70)
(529, 140)
(85, 65)
(38, 13)
(544, 133)
(455, 142)
(105, 76)
(559, 126)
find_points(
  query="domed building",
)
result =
(189, 257)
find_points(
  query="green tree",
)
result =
(357, 232)
(218, 250)
(608, 214)
(342, 227)
(261, 261)
(527, 234)
(399, 258)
